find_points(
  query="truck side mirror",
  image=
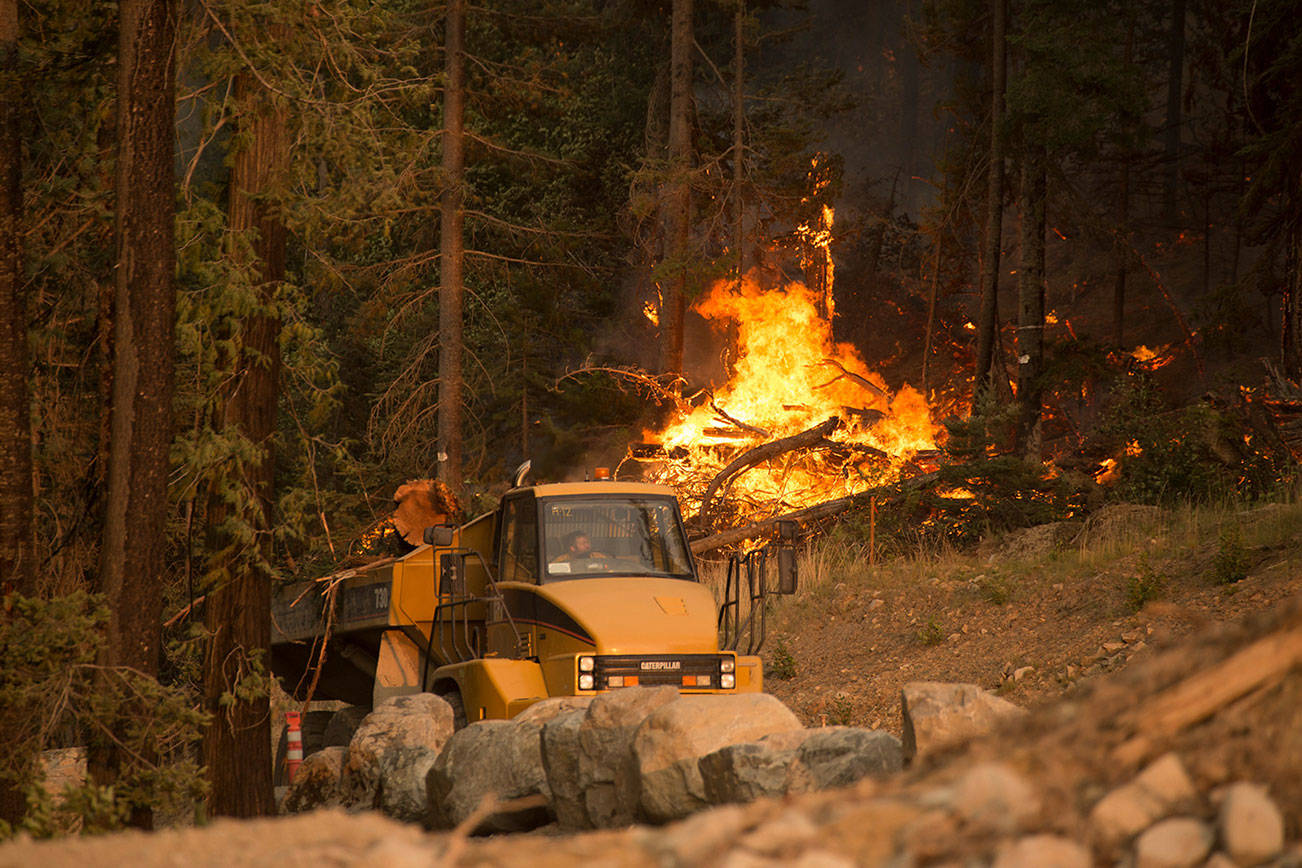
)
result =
(788, 577)
(438, 536)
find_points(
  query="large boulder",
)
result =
(560, 756)
(669, 743)
(318, 781)
(392, 751)
(798, 761)
(607, 772)
(939, 714)
(492, 759)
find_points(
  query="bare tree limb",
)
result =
(761, 453)
(810, 513)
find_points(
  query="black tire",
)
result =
(454, 699)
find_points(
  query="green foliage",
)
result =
(1230, 563)
(932, 632)
(1170, 456)
(52, 689)
(840, 711)
(781, 664)
(995, 588)
(1143, 585)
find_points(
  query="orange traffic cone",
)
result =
(294, 755)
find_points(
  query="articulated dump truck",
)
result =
(565, 590)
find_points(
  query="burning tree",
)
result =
(801, 421)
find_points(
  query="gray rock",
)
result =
(798, 761)
(1042, 851)
(669, 743)
(608, 775)
(560, 758)
(317, 783)
(937, 714)
(994, 796)
(1179, 842)
(498, 759)
(548, 709)
(391, 753)
(1252, 827)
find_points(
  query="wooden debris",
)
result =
(1203, 694)
(763, 452)
(811, 513)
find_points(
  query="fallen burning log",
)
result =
(810, 513)
(763, 452)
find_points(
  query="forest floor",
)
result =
(1089, 627)
(1027, 616)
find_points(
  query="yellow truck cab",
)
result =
(565, 589)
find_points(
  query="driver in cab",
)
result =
(577, 548)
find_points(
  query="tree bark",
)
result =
(1030, 308)
(1174, 91)
(131, 572)
(738, 138)
(17, 543)
(1291, 301)
(17, 540)
(678, 198)
(987, 324)
(237, 613)
(452, 249)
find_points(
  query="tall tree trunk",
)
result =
(237, 613)
(1291, 302)
(987, 324)
(452, 248)
(678, 204)
(17, 542)
(131, 571)
(738, 137)
(1121, 250)
(1030, 307)
(1174, 92)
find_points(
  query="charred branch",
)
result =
(812, 513)
(763, 452)
(866, 383)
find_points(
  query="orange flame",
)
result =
(789, 376)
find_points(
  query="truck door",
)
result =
(517, 561)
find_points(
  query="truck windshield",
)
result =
(600, 536)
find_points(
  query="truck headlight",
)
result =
(586, 681)
(587, 664)
(727, 664)
(727, 681)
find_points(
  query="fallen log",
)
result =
(809, 513)
(763, 452)
(1204, 693)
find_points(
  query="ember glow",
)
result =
(789, 376)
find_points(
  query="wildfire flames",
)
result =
(789, 376)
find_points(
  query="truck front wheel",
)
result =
(453, 698)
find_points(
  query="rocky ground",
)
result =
(1164, 734)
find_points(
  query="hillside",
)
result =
(1028, 616)
(1105, 636)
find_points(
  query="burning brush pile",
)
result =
(801, 422)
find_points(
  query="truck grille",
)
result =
(699, 671)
